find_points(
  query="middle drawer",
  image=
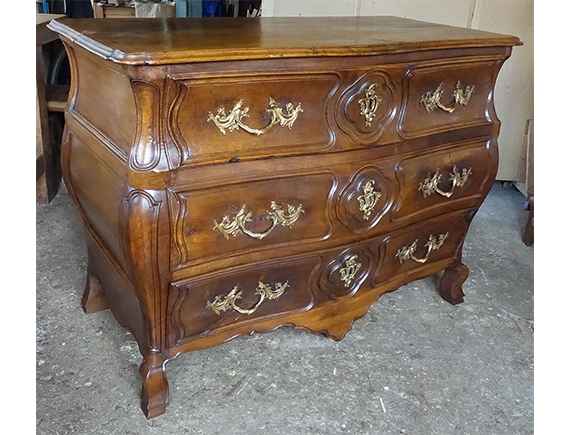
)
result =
(238, 213)
(272, 213)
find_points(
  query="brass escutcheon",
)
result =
(348, 272)
(369, 104)
(369, 199)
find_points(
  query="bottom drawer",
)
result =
(240, 297)
(422, 245)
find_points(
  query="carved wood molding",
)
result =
(140, 228)
(345, 274)
(349, 206)
(153, 149)
(146, 151)
(363, 124)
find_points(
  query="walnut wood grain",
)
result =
(171, 40)
(159, 185)
(450, 285)
(202, 95)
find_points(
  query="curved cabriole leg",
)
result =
(154, 395)
(145, 230)
(451, 281)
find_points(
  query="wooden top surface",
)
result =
(177, 40)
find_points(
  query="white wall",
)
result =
(309, 8)
(452, 12)
(514, 92)
(515, 86)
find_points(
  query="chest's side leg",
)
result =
(155, 392)
(145, 232)
(451, 281)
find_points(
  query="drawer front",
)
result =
(422, 246)
(439, 98)
(240, 296)
(452, 179)
(218, 118)
(241, 218)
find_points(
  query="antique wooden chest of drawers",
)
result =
(238, 175)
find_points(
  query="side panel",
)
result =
(103, 98)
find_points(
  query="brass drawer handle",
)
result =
(368, 200)
(222, 304)
(233, 121)
(458, 179)
(461, 95)
(433, 244)
(277, 215)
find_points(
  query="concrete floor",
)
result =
(413, 365)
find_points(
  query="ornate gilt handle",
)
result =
(433, 244)
(277, 215)
(223, 303)
(461, 95)
(458, 179)
(233, 121)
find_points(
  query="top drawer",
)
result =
(448, 96)
(218, 118)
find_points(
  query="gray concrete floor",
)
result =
(413, 365)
